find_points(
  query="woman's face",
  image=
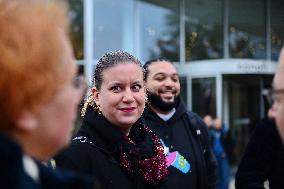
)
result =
(122, 95)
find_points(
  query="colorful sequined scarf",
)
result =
(141, 155)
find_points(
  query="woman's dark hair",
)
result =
(149, 62)
(109, 60)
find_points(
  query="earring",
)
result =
(146, 98)
(97, 108)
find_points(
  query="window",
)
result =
(113, 26)
(158, 29)
(277, 28)
(204, 96)
(247, 37)
(77, 29)
(204, 29)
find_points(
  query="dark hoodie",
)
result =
(180, 135)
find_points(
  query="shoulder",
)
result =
(81, 156)
(51, 178)
(82, 146)
(266, 128)
(196, 122)
(266, 125)
(265, 133)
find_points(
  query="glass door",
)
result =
(244, 107)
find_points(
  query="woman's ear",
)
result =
(96, 94)
(26, 121)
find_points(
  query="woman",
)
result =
(113, 143)
(35, 52)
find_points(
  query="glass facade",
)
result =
(113, 26)
(277, 27)
(203, 32)
(76, 15)
(247, 29)
(158, 32)
(204, 96)
(180, 31)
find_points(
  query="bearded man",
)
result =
(183, 134)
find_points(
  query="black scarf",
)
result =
(140, 154)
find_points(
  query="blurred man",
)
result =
(184, 135)
(263, 157)
(277, 109)
(262, 160)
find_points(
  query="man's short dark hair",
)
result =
(149, 62)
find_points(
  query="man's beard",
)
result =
(157, 102)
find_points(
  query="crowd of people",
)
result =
(136, 130)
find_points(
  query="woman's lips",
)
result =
(130, 109)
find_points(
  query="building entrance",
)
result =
(243, 107)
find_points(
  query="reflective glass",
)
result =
(204, 96)
(77, 29)
(158, 29)
(113, 26)
(203, 29)
(277, 28)
(247, 23)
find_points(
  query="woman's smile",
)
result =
(127, 109)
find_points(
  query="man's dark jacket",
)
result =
(187, 133)
(263, 159)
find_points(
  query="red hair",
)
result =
(31, 62)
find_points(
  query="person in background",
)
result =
(263, 159)
(220, 148)
(184, 135)
(113, 144)
(208, 120)
(38, 94)
(277, 95)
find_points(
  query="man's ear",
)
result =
(27, 121)
(96, 95)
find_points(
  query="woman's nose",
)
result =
(128, 96)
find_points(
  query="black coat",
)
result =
(190, 139)
(263, 159)
(91, 153)
(14, 176)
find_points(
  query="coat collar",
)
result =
(96, 126)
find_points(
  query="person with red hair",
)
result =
(39, 93)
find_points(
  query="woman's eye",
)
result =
(115, 88)
(136, 88)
